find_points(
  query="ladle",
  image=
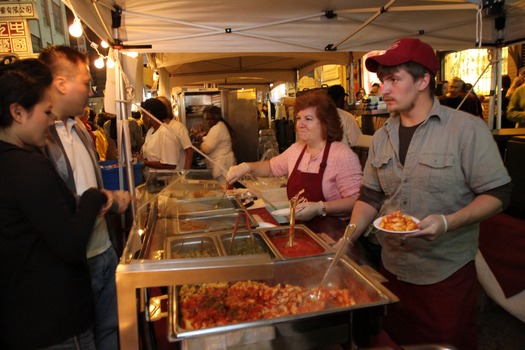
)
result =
(342, 248)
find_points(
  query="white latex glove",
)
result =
(236, 172)
(308, 210)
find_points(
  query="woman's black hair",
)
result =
(156, 108)
(23, 82)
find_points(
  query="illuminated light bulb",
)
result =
(110, 63)
(99, 62)
(75, 29)
(104, 44)
(133, 54)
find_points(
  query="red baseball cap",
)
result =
(403, 51)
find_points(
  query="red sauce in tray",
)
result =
(301, 247)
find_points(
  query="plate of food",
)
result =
(397, 223)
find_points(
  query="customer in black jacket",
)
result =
(45, 286)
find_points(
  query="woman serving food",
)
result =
(327, 170)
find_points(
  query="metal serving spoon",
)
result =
(342, 248)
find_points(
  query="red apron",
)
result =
(311, 182)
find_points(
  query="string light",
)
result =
(75, 29)
(99, 62)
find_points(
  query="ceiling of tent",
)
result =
(238, 41)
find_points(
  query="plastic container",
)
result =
(109, 169)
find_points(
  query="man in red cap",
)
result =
(443, 167)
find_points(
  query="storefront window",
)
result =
(469, 66)
(369, 78)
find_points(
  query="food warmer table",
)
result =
(154, 256)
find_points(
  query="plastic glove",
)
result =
(308, 210)
(236, 172)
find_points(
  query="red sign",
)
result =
(14, 36)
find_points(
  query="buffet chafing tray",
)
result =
(305, 272)
(307, 243)
(188, 224)
(216, 244)
(199, 244)
(195, 207)
(192, 246)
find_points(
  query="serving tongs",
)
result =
(340, 251)
(234, 232)
(293, 205)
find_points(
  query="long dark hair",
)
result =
(23, 82)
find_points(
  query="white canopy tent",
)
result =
(271, 26)
(258, 42)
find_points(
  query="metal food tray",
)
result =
(306, 272)
(214, 221)
(175, 208)
(192, 246)
(185, 191)
(241, 237)
(301, 232)
(214, 244)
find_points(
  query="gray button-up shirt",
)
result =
(452, 157)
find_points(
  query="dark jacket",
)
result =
(45, 286)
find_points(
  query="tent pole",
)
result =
(499, 67)
(350, 83)
(123, 136)
(495, 90)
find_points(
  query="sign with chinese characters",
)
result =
(17, 9)
(14, 36)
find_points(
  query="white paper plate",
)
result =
(378, 221)
(265, 224)
(281, 212)
(284, 211)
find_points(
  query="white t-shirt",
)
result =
(85, 177)
(161, 146)
(183, 140)
(218, 145)
(351, 130)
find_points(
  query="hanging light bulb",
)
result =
(99, 62)
(110, 63)
(133, 54)
(104, 44)
(75, 29)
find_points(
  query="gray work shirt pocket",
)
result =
(435, 172)
(386, 173)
